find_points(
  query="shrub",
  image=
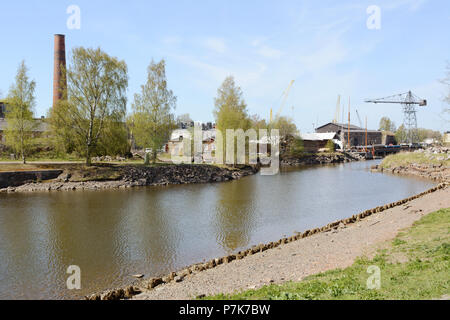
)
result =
(330, 146)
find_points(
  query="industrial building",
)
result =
(40, 128)
(316, 142)
(357, 134)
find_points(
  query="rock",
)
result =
(138, 275)
(131, 291)
(154, 282)
(64, 177)
(116, 294)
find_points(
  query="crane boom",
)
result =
(359, 119)
(285, 95)
(403, 98)
(408, 100)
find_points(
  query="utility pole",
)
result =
(348, 133)
(365, 147)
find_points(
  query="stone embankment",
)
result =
(180, 276)
(435, 168)
(135, 176)
(320, 158)
(434, 172)
(17, 178)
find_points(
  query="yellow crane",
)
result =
(285, 95)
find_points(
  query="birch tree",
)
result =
(19, 115)
(96, 97)
(152, 118)
(230, 111)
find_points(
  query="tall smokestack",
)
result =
(59, 60)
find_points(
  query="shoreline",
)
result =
(138, 176)
(438, 173)
(144, 289)
(129, 176)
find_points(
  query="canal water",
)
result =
(114, 234)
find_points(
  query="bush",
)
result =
(296, 148)
(330, 146)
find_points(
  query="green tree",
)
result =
(152, 120)
(387, 125)
(96, 98)
(285, 125)
(401, 135)
(19, 115)
(184, 118)
(330, 146)
(257, 123)
(114, 140)
(428, 134)
(296, 147)
(230, 109)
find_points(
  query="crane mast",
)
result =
(409, 101)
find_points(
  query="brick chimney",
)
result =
(59, 60)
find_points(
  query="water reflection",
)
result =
(113, 234)
(235, 214)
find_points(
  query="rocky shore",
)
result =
(319, 158)
(432, 163)
(434, 172)
(136, 176)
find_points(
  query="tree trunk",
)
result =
(88, 156)
(21, 147)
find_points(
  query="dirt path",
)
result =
(298, 259)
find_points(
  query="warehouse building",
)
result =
(357, 134)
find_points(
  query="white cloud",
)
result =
(269, 52)
(215, 44)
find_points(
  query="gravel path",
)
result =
(298, 259)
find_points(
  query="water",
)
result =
(114, 234)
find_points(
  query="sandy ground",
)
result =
(307, 256)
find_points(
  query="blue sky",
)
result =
(325, 46)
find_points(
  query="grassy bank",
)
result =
(407, 158)
(415, 265)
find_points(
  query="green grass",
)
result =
(407, 158)
(415, 266)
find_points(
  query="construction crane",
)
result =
(338, 110)
(409, 101)
(359, 119)
(283, 102)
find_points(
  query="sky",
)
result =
(327, 47)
